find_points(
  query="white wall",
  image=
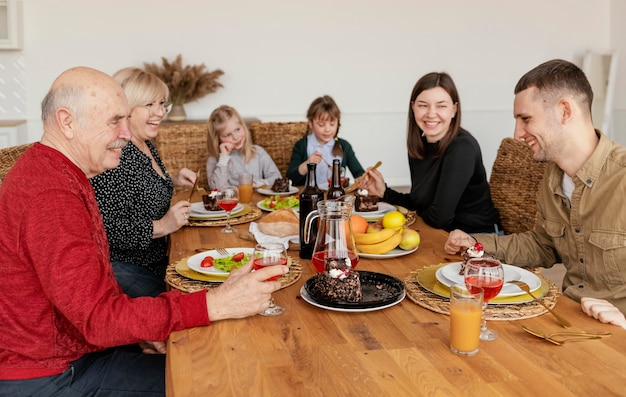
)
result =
(278, 55)
(618, 42)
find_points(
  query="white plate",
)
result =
(383, 208)
(270, 192)
(259, 204)
(197, 209)
(308, 299)
(449, 275)
(194, 261)
(394, 253)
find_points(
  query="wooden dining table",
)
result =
(402, 350)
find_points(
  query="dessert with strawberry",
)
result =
(339, 283)
(210, 201)
(476, 251)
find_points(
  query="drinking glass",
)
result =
(227, 199)
(270, 254)
(245, 187)
(488, 274)
(465, 319)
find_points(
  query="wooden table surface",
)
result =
(399, 351)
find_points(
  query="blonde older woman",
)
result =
(134, 198)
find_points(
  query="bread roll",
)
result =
(280, 223)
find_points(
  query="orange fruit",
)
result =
(359, 224)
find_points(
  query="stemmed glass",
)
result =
(270, 254)
(488, 274)
(227, 199)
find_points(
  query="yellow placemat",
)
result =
(181, 277)
(423, 289)
(248, 214)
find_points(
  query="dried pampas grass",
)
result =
(186, 83)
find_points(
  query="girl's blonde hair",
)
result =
(216, 124)
(325, 108)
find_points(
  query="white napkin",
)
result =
(266, 238)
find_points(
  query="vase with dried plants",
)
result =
(186, 83)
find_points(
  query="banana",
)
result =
(373, 238)
(382, 247)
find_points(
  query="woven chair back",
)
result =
(9, 156)
(514, 184)
(184, 145)
(278, 140)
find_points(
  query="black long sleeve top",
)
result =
(451, 191)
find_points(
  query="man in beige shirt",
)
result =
(581, 220)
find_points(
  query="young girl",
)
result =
(231, 152)
(321, 145)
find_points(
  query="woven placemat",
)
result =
(439, 304)
(410, 218)
(185, 284)
(254, 214)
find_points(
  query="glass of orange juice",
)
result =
(245, 187)
(465, 319)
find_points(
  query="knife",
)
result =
(193, 188)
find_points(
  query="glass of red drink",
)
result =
(227, 199)
(269, 254)
(486, 274)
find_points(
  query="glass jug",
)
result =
(334, 234)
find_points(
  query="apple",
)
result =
(375, 227)
(410, 239)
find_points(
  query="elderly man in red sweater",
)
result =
(61, 310)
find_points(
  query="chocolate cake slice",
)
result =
(476, 251)
(364, 202)
(281, 185)
(210, 202)
(338, 283)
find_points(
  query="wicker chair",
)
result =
(514, 184)
(278, 140)
(183, 145)
(9, 156)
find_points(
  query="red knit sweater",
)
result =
(58, 295)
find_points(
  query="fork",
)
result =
(222, 251)
(524, 287)
(564, 337)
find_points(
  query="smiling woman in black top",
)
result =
(449, 187)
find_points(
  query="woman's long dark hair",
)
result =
(414, 143)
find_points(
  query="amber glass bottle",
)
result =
(309, 198)
(335, 190)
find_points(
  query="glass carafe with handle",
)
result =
(334, 238)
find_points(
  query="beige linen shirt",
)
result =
(588, 235)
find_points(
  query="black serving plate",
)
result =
(378, 290)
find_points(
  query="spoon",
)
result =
(358, 180)
(524, 287)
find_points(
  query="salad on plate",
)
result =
(273, 203)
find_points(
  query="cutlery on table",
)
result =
(358, 180)
(524, 287)
(560, 338)
(203, 249)
(222, 251)
(195, 184)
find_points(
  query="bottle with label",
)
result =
(309, 197)
(335, 190)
